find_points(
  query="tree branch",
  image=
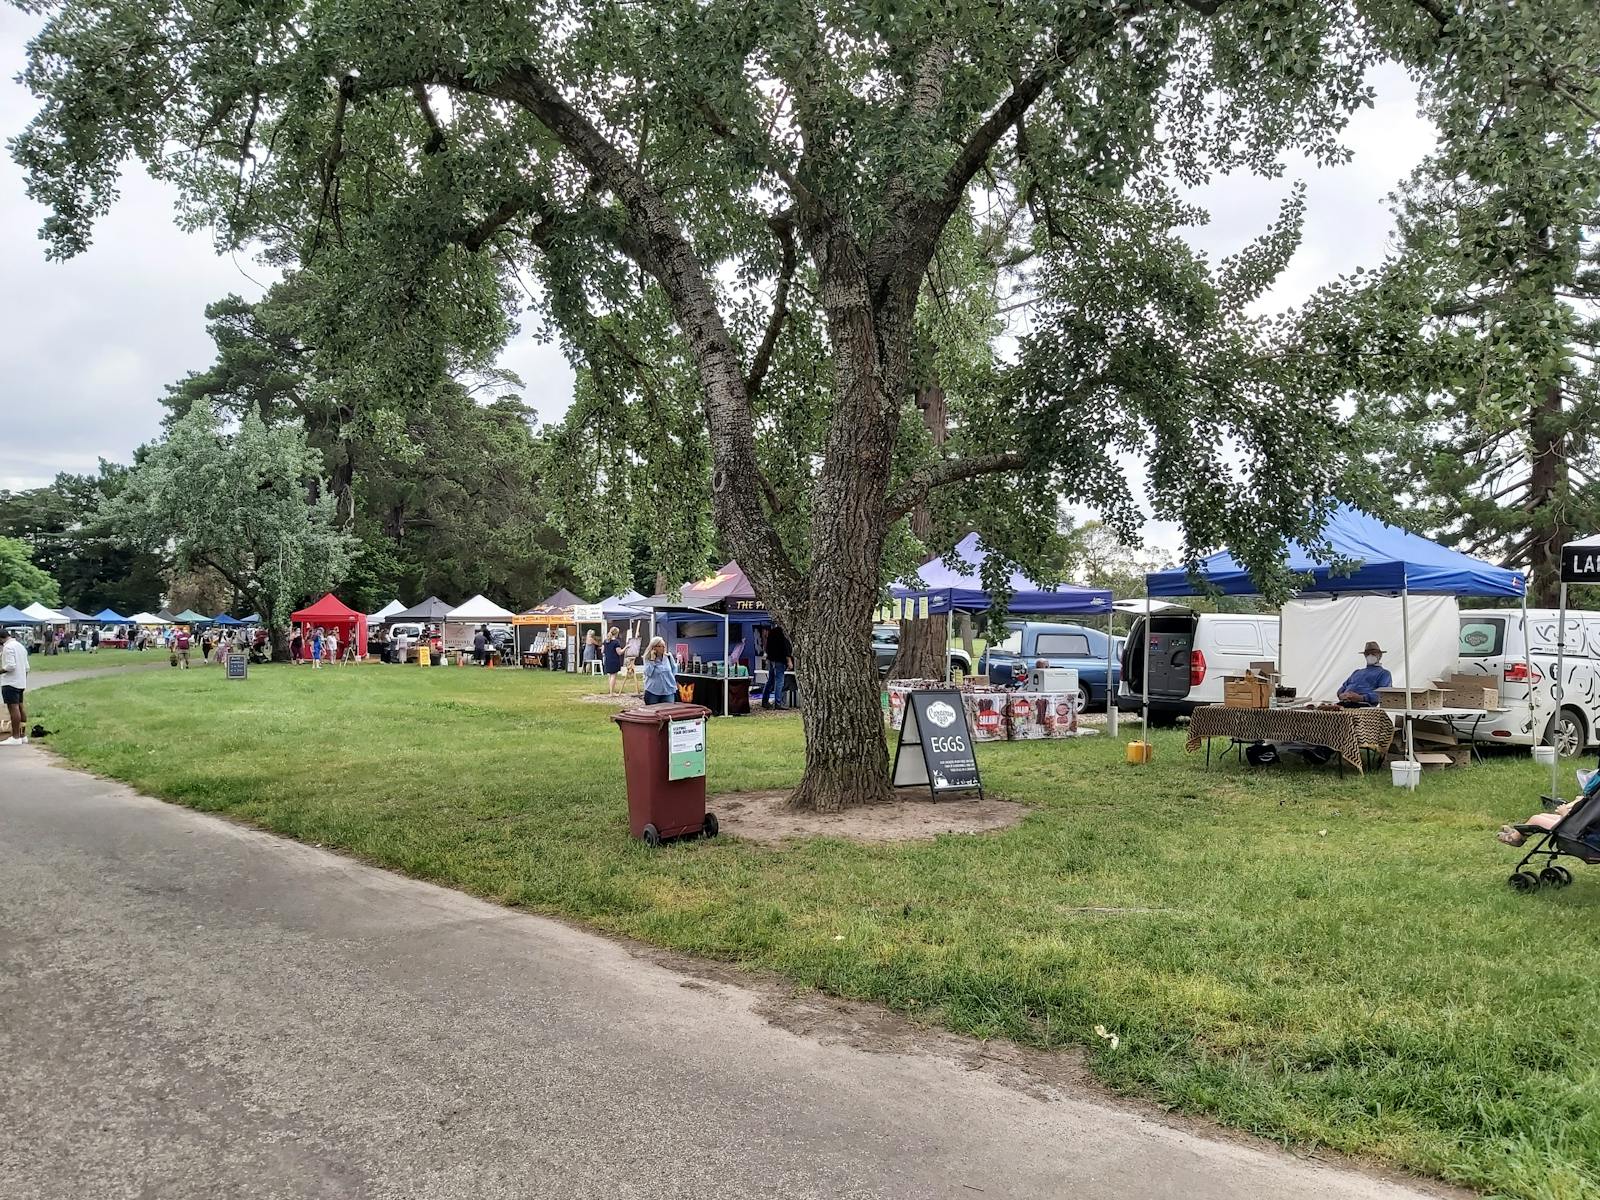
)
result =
(474, 238)
(435, 141)
(951, 470)
(780, 309)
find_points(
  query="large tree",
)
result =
(22, 581)
(774, 179)
(242, 502)
(1475, 347)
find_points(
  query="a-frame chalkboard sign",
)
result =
(936, 749)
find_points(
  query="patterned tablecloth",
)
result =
(1346, 731)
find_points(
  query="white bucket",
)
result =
(1405, 773)
(1545, 756)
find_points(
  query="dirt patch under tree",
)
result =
(767, 818)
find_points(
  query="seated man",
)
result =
(1361, 689)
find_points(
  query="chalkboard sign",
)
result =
(238, 666)
(936, 748)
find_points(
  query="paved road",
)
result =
(193, 1009)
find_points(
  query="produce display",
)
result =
(998, 714)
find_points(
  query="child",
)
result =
(316, 650)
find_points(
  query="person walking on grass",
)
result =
(660, 676)
(612, 659)
(330, 648)
(316, 649)
(180, 647)
(14, 686)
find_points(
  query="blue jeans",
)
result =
(773, 688)
(653, 698)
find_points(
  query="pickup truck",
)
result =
(886, 644)
(1009, 662)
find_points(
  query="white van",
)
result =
(1190, 652)
(1494, 643)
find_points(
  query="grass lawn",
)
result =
(92, 661)
(1325, 961)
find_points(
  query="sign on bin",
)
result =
(686, 749)
(936, 745)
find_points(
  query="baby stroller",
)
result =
(1576, 835)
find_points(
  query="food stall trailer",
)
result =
(713, 630)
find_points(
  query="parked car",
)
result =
(1009, 662)
(1495, 644)
(886, 644)
(1190, 653)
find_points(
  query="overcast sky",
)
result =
(90, 344)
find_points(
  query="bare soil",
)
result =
(767, 818)
(620, 700)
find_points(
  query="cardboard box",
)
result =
(1421, 698)
(1245, 691)
(1470, 691)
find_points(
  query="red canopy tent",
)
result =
(332, 613)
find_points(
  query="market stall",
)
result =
(1363, 556)
(716, 630)
(463, 622)
(998, 714)
(331, 613)
(191, 618)
(945, 590)
(547, 633)
(388, 612)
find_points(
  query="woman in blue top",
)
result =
(660, 676)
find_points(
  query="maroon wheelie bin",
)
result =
(659, 806)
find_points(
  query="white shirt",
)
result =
(14, 664)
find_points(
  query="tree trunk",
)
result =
(1547, 483)
(278, 636)
(847, 758)
(923, 648)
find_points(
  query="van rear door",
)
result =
(1171, 640)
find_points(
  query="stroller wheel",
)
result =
(1556, 877)
(1524, 881)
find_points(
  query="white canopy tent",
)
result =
(144, 618)
(461, 622)
(48, 615)
(384, 613)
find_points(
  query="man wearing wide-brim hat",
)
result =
(1361, 689)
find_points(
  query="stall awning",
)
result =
(109, 616)
(144, 618)
(387, 612)
(47, 616)
(10, 615)
(189, 617)
(225, 620)
(479, 608)
(73, 615)
(330, 610)
(1366, 555)
(432, 610)
(963, 590)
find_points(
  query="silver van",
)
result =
(1494, 643)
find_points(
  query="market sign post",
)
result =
(936, 748)
(686, 749)
(238, 666)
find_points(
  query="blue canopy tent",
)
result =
(1364, 555)
(109, 616)
(963, 591)
(726, 597)
(10, 615)
(949, 591)
(225, 620)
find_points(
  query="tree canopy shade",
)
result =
(763, 226)
(236, 502)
